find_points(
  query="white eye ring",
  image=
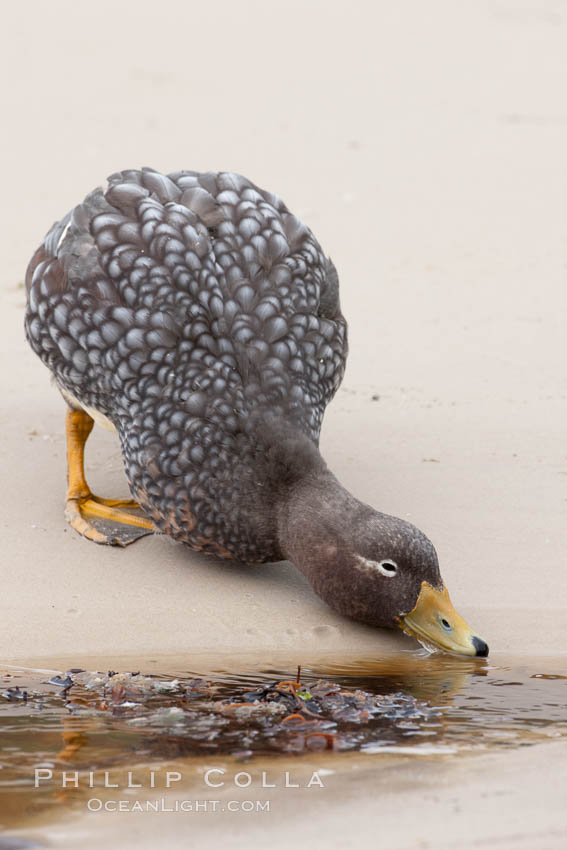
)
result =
(387, 567)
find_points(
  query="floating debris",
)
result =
(15, 694)
(61, 682)
(87, 719)
(183, 716)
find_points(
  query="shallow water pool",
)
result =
(107, 725)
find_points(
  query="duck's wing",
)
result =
(281, 308)
(202, 276)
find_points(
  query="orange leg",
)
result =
(115, 520)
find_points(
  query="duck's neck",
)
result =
(315, 526)
(299, 494)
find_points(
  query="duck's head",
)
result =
(396, 580)
(375, 568)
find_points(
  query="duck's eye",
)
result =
(446, 624)
(388, 568)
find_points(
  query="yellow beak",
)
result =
(436, 624)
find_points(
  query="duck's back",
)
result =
(179, 306)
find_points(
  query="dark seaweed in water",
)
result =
(166, 718)
(92, 720)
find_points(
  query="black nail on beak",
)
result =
(481, 646)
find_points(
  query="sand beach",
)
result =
(424, 144)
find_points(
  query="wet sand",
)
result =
(495, 801)
(424, 145)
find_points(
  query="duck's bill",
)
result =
(436, 625)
